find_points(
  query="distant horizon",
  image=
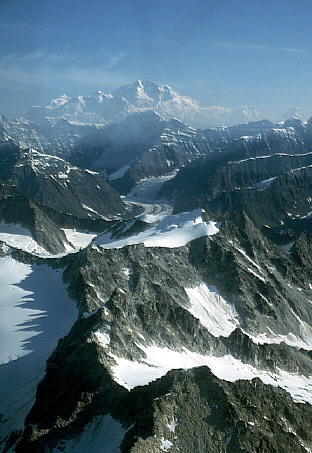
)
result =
(229, 53)
(109, 92)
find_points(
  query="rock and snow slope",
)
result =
(170, 231)
(183, 323)
(222, 301)
(35, 312)
(55, 183)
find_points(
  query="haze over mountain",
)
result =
(155, 226)
(194, 318)
(101, 108)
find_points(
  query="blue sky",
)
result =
(222, 52)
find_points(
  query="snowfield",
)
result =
(159, 361)
(172, 231)
(212, 310)
(77, 238)
(35, 311)
(20, 238)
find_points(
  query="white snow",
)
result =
(78, 239)
(140, 97)
(152, 218)
(213, 311)
(171, 231)
(35, 311)
(87, 208)
(165, 444)
(159, 361)
(102, 435)
(12, 313)
(91, 172)
(126, 271)
(290, 339)
(119, 173)
(263, 185)
(287, 247)
(20, 238)
(103, 338)
(172, 425)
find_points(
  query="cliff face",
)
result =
(142, 314)
(55, 183)
(192, 331)
(268, 178)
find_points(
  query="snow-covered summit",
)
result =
(142, 95)
(56, 103)
(148, 94)
(294, 112)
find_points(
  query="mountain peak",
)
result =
(144, 93)
(101, 108)
(294, 112)
(58, 102)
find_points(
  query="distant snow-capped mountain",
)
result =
(101, 108)
(294, 112)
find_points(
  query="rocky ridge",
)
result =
(114, 286)
(55, 183)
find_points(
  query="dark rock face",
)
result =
(18, 209)
(287, 197)
(195, 411)
(200, 348)
(51, 137)
(268, 178)
(136, 295)
(53, 182)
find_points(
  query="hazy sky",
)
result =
(222, 52)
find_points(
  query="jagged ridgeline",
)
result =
(55, 183)
(156, 279)
(268, 177)
(231, 302)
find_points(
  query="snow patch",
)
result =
(263, 185)
(103, 434)
(172, 425)
(35, 311)
(119, 173)
(287, 247)
(159, 361)
(78, 239)
(103, 338)
(87, 208)
(290, 339)
(213, 311)
(165, 444)
(172, 231)
(20, 238)
(152, 218)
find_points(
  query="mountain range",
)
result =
(156, 278)
(101, 108)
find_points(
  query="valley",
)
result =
(156, 280)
